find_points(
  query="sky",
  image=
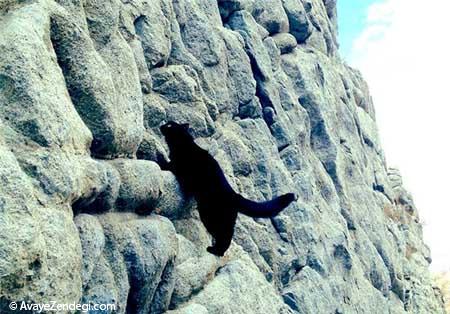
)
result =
(402, 47)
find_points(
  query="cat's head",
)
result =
(172, 129)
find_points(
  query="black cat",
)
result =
(200, 175)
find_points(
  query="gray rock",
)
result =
(251, 110)
(239, 278)
(33, 239)
(89, 77)
(191, 276)
(243, 22)
(299, 25)
(101, 191)
(144, 188)
(264, 91)
(178, 86)
(92, 243)
(285, 42)
(197, 33)
(140, 184)
(271, 15)
(124, 267)
(227, 7)
(324, 31)
(151, 146)
(175, 84)
(154, 112)
(239, 68)
(274, 52)
(154, 33)
(191, 308)
(101, 288)
(39, 103)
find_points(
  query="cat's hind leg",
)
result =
(219, 220)
(222, 238)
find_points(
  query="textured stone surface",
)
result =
(86, 215)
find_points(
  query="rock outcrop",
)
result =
(87, 216)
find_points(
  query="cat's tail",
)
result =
(264, 209)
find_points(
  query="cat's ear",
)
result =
(185, 126)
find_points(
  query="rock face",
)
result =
(87, 216)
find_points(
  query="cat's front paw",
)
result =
(162, 161)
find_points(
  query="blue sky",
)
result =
(352, 16)
(407, 67)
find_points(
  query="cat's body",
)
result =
(200, 175)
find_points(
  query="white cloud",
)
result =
(404, 54)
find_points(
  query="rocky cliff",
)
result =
(87, 216)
